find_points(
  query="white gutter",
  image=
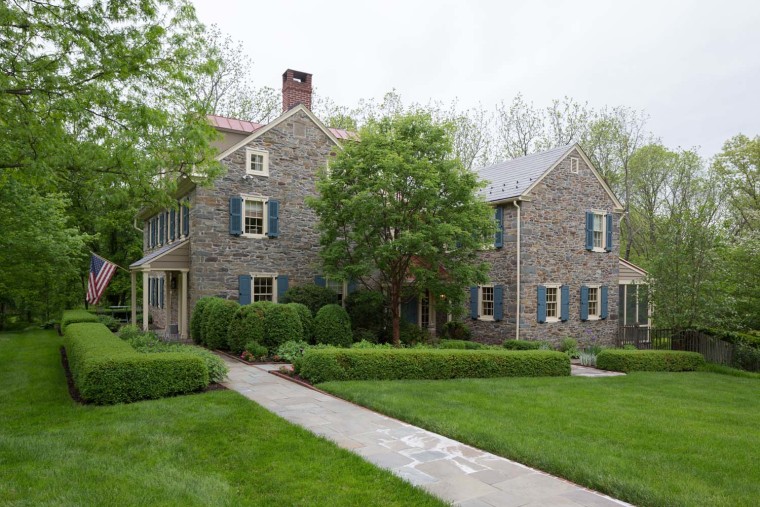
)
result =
(517, 317)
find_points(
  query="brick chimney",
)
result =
(296, 89)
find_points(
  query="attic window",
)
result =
(574, 165)
(256, 162)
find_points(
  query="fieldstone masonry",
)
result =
(553, 251)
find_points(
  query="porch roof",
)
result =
(175, 256)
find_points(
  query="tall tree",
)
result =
(739, 167)
(400, 213)
(519, 128)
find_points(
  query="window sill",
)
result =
(598, 250)
(486, 319)
(253, 236)
(593, 317)
(551, 320)
(257, 173)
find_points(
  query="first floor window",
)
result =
(338, 287)
(425, 310)
(262, 288)
(486, 301)
(633, 305)
(254, 217)
(552, 303)
(593, 302)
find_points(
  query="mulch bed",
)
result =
(74, 392)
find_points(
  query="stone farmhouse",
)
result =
(250, 236)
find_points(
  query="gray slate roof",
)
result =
(513, 177)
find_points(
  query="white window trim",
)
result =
(574, 165)
(596, 286)
(558, 318)
(264, 163)
(489, 318)
(273, 276)
(265, 225)
(623, 304)
(603, 214)
(431, 311)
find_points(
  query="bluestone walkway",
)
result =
(455, 472)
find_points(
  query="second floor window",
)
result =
(598, 231)
(552, 303)
(486, 302)
(593, 302)
(254, 217)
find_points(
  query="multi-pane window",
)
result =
(257, 162)
(253, 217)
(593, 301)
(486, 301)
(425, 310)
(598, 231)
(262, 288)
(552, 303)
(337, 286)
(633, 307)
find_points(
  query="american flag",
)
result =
(101, 272)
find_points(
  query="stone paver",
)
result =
(455, 472)
(586, 371)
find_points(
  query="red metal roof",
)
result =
(247, 127)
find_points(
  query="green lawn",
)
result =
(215, 448)
(648, 438)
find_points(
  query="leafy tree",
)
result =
(739, 167)
(400, 213)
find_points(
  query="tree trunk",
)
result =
(396, 314)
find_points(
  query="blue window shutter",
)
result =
(244, 289)
(186, 219)
(319, 281)
(474, 302)
(608, 243)
(172, 228)
(161, 292)
(564, 314)
(409, 311)
(541, 304)
(274, 219)
(498, 302)
(236, 215)
(584, 302)
(603, 307)
(152, 232)
(499, 237)
(353, 286)
(161, 229)
(589, 230)
(282, 286)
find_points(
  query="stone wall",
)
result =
(297, 149)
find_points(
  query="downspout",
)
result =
(517, 316)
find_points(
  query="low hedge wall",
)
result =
(379, 364)
(648, 360)
(74, 316)
(107, 370)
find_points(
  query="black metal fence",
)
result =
(649, 338)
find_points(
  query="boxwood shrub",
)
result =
(522, 345)
(107, 370)
(307, 320)
(378, 364)
(196, 319)
(648, 360)
(460, 344)
(247, 325)
(313, 296)
(281, 323)
(74, 316)
(217, 316)
(332, 326)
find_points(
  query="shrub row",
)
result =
(522, 345)
(74, 316)
(648, 360)
(376, 364)
(107, 370)
(461, 345)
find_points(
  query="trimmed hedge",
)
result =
(313, 296)
(460, 344)
(649, 360)
(247, 325)
(332, 326)
(281, 324)
(196, 319)
(75, 316)
(307, 320)
(377, 364)
(521, 345)
(107, 370)
(216, 322)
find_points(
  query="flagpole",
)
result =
(99, 257)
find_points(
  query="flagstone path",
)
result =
(455, 472)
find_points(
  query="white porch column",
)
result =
(183, 303)
(133, 286)
(168, 299)
(145, 301)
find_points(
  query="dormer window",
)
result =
(256, 162)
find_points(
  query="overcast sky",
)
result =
(694, 67)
